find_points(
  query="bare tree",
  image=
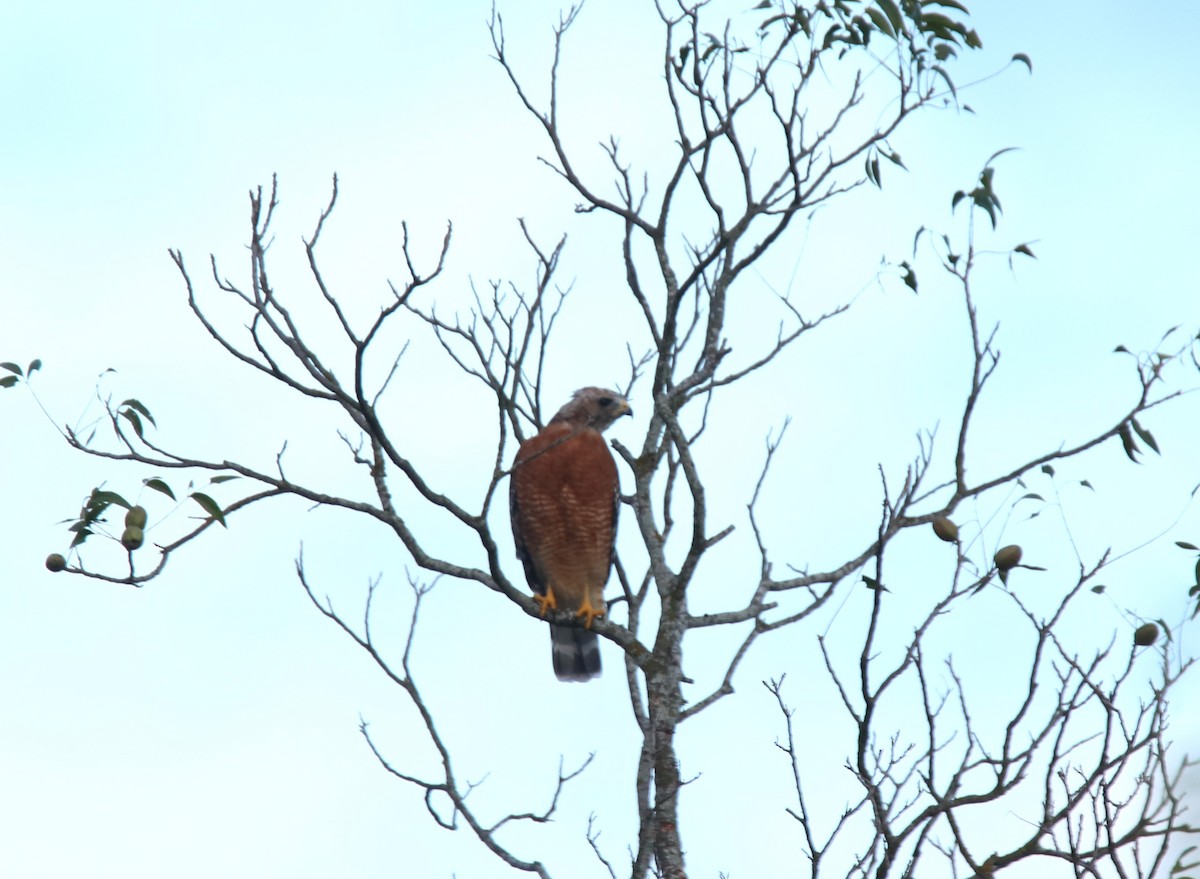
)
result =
(769, 121)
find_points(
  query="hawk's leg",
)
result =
(546, 602)
(589, 612)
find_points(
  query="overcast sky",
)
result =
(206, 724)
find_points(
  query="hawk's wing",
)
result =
(518, 529)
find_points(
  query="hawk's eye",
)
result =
(604, 402)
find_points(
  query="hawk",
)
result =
(564, 497)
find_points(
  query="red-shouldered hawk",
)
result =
(564, 497)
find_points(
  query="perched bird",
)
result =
(564, 497)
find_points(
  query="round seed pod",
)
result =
(1007, 557)
(1145, 634)
(945, 529)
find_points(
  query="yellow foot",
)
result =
(589, 612)
(546, 602)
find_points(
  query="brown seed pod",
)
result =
(945, 529)
(132, 538)
(1007, 557)
(55, 562)
(1145, 634)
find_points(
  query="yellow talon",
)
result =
(546, 602)
(589, 613)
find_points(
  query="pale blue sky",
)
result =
(205, 725)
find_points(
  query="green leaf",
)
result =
(872, 170)
(985, 198)
(160, 486)
(1024, 59)
(1024, 248)
(1048, 470)
(986, 176)
(1121, 349)
(34, 366)
(1183, 544)
(892, 11)
(1099, 590)
(210, 506)
(953, 4)
(105, 498)
(997, 154)
(910, 277)
(217, 480)
(943, 26)
(8, 381)
(917, 239)
(1030, 496)
(1145, 435)
(881, 21)
(132, 417)
(940, 71)
(1127, 442)
(11, 367)
(1086, 484)
(874, 584)
(134, 404)
(766, 4)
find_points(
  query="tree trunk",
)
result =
(664, 696)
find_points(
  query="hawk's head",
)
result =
(596, 408)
